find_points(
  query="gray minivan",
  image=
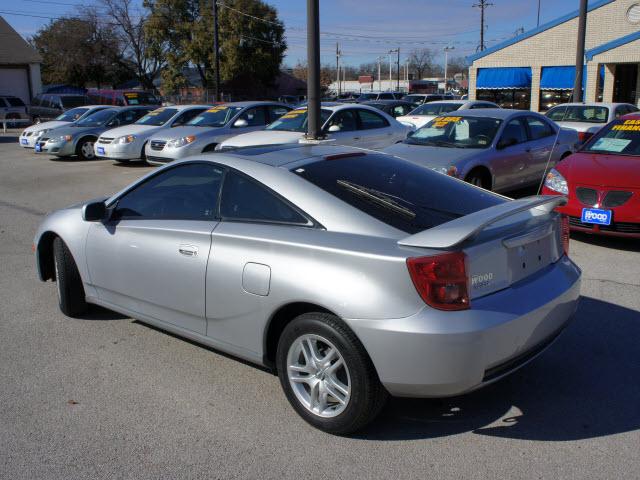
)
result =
(48, 106)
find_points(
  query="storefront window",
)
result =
(519, 99)
(551, 98)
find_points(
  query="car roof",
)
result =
(184, 107)
(591, 104)
(253, 103)
(385, 102)
(455, 101)
(280, 155)
(634, 116)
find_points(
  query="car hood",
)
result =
(582, 126)
(431, 156)
(75, 131)
(130, 130)
(263, 137)
(601, 170)
(179, 132)
(46, 125)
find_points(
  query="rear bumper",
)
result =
(439, 354)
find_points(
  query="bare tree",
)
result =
(421, 61)
(145, 57)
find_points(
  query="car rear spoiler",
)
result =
(456, 231)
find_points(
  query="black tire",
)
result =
(71, 296)
(479, 179)
(210, 148)
(143, 153)
(367, 395)
(84, 148)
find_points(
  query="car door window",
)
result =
(185, 192)
(370, 120)
(538, 128)
(276, 111)
(514, 130)
(243, 199)
(255, 117)
(345, 119)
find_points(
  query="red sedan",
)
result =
(602, 181)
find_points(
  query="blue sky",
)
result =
(365, 29)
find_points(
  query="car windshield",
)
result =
(399, 193)
(73, 101)
(96, 119)
(456, 132)
(14, 102)
(579, 113)
(217, 116)
(296, 120)
(620, 137)
(157, 117)
(140, 98)
(435, 108)
(72, 115)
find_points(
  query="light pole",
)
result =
(380, 58)
(446, 65)
(313, 65)
(396, 51)
(582, 30)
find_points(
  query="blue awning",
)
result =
(506, 77)
(560, 78)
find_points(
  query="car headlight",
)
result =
(181, 142)
(64, 138)
(451, 170)
(556, 182)
(124, 140)
(39, 133)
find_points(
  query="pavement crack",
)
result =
(602, 280)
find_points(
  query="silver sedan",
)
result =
(352, 274)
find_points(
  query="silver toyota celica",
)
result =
(352, 274)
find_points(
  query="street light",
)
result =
(396, 51)
(446, 64)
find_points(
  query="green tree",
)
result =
(80, 51)
(251, 42)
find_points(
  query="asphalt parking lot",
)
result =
(108, 397)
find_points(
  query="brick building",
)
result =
(536, 69)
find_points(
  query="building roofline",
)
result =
(589, 54)
(537, 30)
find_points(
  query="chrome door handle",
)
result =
(188, 250)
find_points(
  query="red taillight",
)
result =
(564, 222)
(584, 136)
(441, 280)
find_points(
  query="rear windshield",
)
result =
(158, 117)
(140, 98)
(296, 120)
(14, 101)
(579, 113)
(435, 108)
(71, 102)
(401, 194)
(620, 137)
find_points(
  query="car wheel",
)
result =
(85, 149)
(327, 375)
(37, 120)
(143, 153)
(478, 179)
(69, 284)
(210, 148)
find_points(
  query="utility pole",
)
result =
(446, 65)
(390, 70)
(338, 54)
(482, 4)
(398, 82)
(582, 30)
(379, 80)
(395, 50)
(313, 72)
(538, 24)
(216, 48)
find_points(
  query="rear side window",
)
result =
(246, 200)
(539, 128)
(401, 194)
(370, 120)
(15, 102)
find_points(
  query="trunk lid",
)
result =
(503, 244)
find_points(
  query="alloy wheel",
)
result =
(318, 375)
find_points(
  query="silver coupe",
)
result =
(352, 274)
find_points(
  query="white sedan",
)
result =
(347, 123)
(30, 135)
(588, 118)
(428, 111)
(128, 142)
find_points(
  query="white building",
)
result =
(536, 69)
(19, 65)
